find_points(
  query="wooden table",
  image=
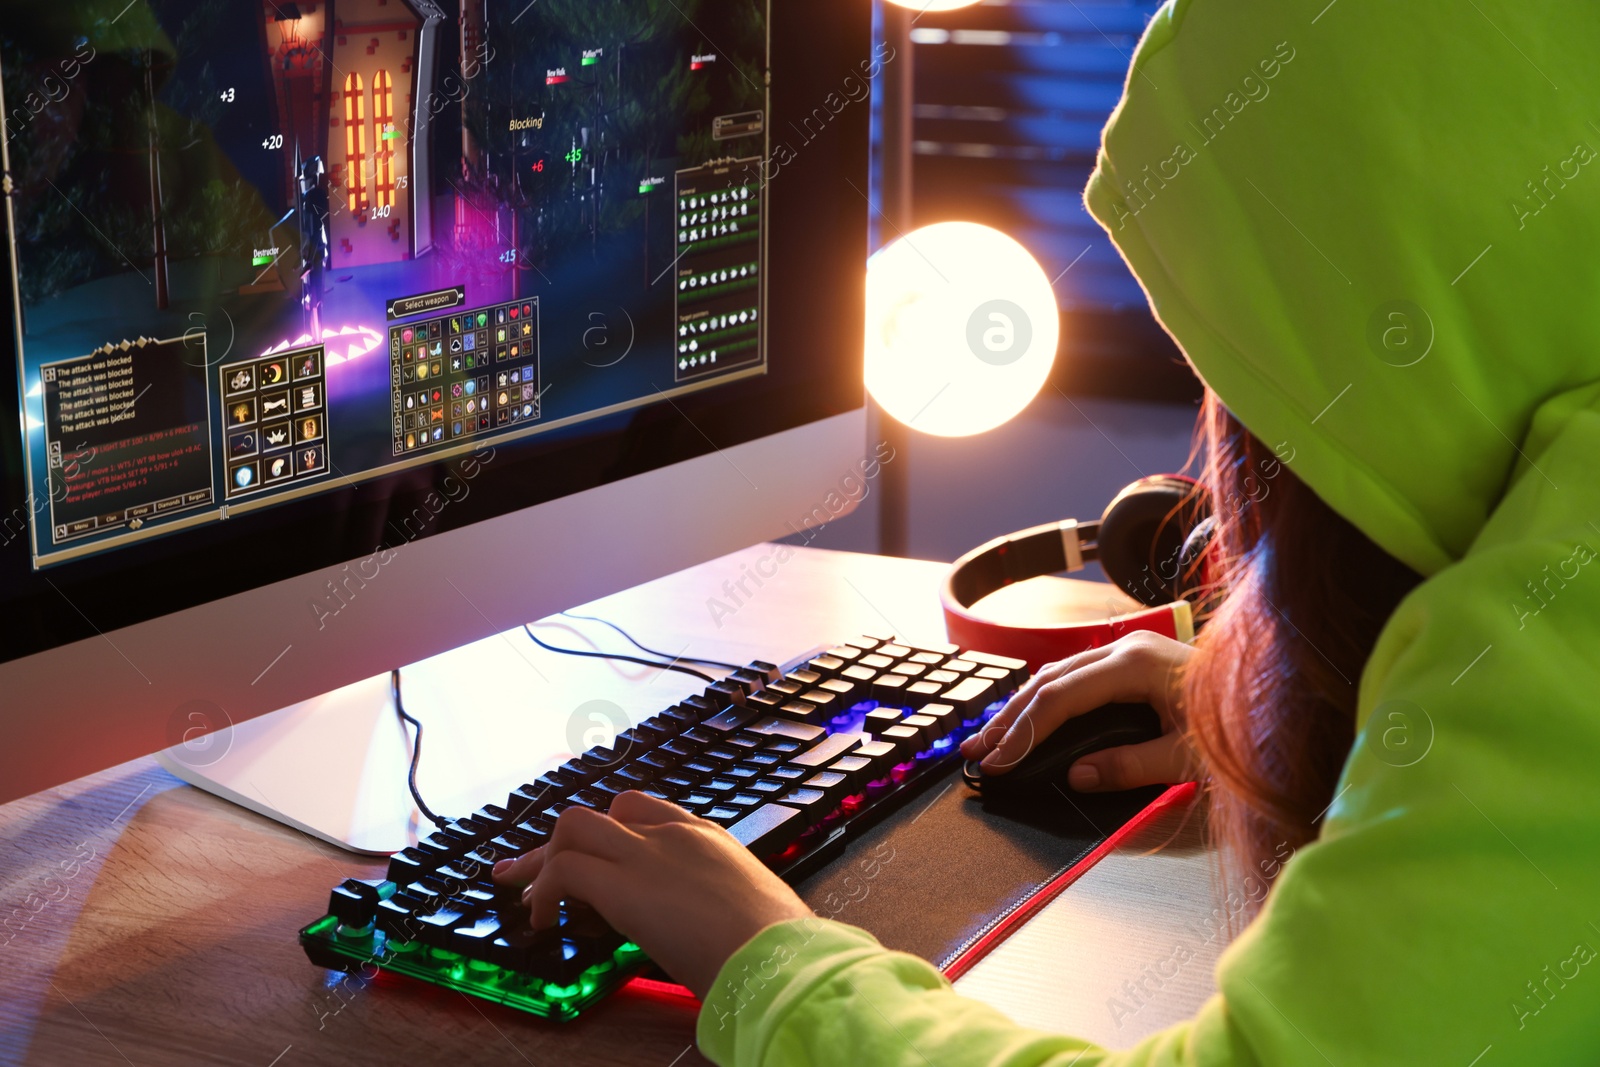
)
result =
(146, 922)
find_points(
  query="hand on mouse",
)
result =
(677, 885)
(1141, 667)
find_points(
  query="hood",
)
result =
(1374, 229)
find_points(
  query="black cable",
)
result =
(416, 752)
(651, 651)
(615, 655)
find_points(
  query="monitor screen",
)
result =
(282, 274)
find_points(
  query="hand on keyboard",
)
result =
(678, 885)
(1140, 668)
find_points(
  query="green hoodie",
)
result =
(1374, 228)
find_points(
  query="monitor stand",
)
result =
(332, 766)
(496, 713)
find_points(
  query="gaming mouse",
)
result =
(1045, 766)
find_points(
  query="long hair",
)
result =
(1270, 698)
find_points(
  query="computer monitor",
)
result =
(349, 331)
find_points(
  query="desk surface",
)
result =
(148, 922)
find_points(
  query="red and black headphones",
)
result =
(1150, 542)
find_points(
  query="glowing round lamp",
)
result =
(962, 328)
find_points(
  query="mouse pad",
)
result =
(939, 876)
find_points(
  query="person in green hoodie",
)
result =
(1373, 229)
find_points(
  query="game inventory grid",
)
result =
(718, 288)
(469, 372)
(276, 417)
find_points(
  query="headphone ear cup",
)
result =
(1142, 536)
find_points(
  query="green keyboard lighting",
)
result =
(329, 946)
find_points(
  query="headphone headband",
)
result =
(1066, 546)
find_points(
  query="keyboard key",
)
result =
(945, 716)
(410, 864)
(926, 728)
(580, 770)
(927, 659)
(750, 681)
(604, 759)
(909, 669)
(920, 692)
(789, 772)
(828, 703)
(592, 798)
(765, 701)
(745, 801)
(636, 774)
(473, 940)
(1016, 669)
(723, 815)
(812, 803)
(826, 666)
(664, 725)
(658, 762)
(682, 718)
(998, 675)
(680, 749)
(875, 661)
(970, 696)
(831, 784)
(769, 671)
(805, 677)
(848, 690)
(355, 901)
(769, 829)
(880, 719)
(803, 711)
(856, 769)
(943, 676)
(845, 652)
(641, 738)
(434, 930)
(771, 788)
(893, 650)
(907, 740)
(782, 747)
(861, 676)
(730, 720)
(880, 753)
(788, 688)
(395, 917)
(829, 750)
(725, 692)
(512, 948)
(890, 688)
(804, 733)
(701, 708)
(527, 799)
(959, 666)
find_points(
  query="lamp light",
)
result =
(962, 328)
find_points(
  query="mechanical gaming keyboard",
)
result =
(795, 762)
